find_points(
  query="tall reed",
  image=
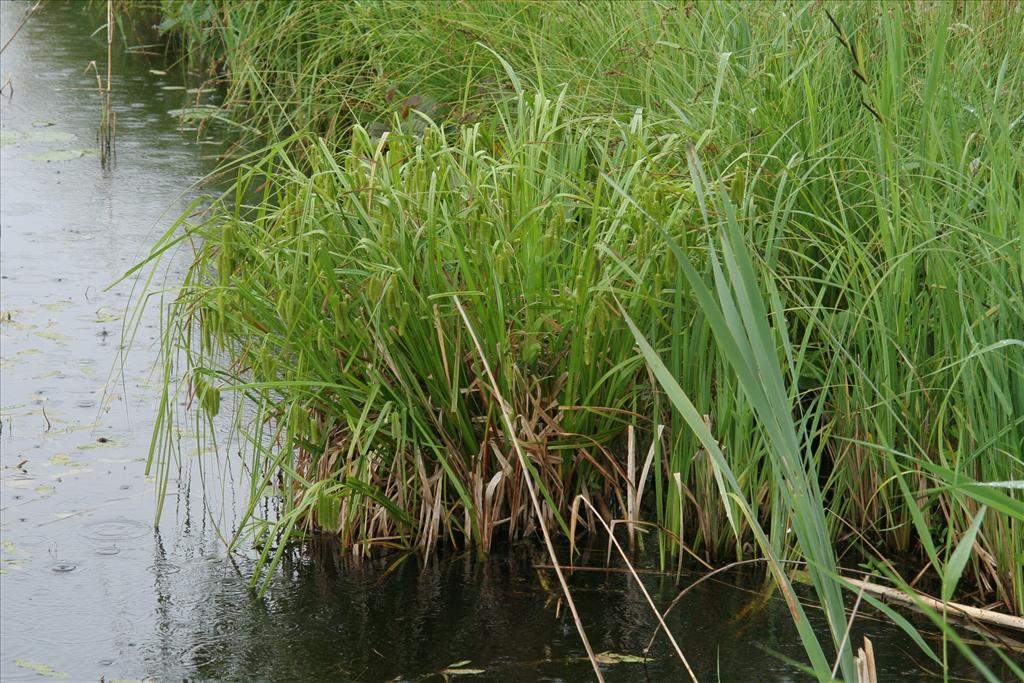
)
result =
(811, 224)
(105, 133)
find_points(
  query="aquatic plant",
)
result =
(810, 222)
(742, 324)
(358, 354)
(106, 131)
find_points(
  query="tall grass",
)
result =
(349, 330)
(811, 223)
(742, 326)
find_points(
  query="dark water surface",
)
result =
(90, 589)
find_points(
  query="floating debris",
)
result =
(41, 669)
(460, 669)
(617, 658)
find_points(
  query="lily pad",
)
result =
(12, 324)
(10, 564)
(70, 473)
(82, 427)
(61, 460)
(10, 137)
(47, 375)
(55, 336)
(41, 669)
(105, 443)
(105, 316)
(58, 305)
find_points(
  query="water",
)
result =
(90, 589)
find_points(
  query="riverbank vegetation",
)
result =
(749, 278)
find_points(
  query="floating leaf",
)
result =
(10, 564)
(41, 669)
(617, 658)
(81, 426)
(10, 137)
(70, 473)
(105, 316)
(16, 324)
(47, 375)
(104, 443)
(55, 336)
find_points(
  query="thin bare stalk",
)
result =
(24, 21)
(849, 627)
(105, 135)
(506, 414)
(951, 608)
(643, 589)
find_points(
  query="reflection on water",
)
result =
(90, 589)
(77, 586)
(330, 618)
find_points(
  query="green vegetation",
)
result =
(739, 270)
